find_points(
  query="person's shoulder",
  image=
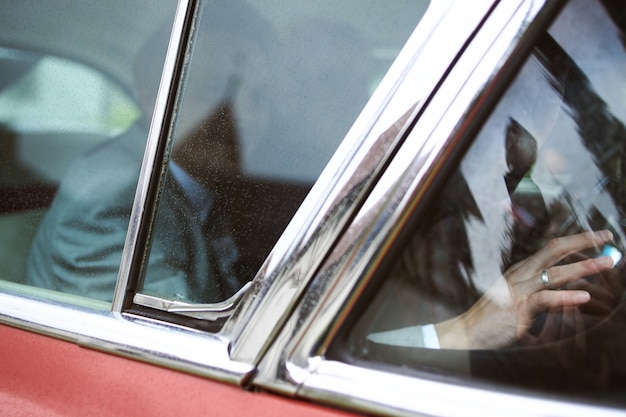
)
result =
(110, 168)
(124, 150)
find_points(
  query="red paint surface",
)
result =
(43, 376)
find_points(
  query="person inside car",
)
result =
(79, 244)
(548, 270)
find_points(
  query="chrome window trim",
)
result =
(411, 396)
(211, 311)
(158, 123)
(347, 179)
(297, 357)
(126, 335)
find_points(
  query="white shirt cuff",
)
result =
(413, 336)
(431, 339)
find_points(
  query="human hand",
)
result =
(506, 312)
(606, 289)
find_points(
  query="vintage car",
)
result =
(312, 208)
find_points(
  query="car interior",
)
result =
(68, 86)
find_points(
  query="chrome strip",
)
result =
(345, 182)
(297, 357)
(212, 312)
(410, 171)
(157, 125)
(126, 335)
(411, 396)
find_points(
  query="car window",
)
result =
(269, 92)
(67, 95)
(514, 274)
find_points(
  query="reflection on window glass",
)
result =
(73, 127)
(269, 93)
(516, 275)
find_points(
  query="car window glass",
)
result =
(515, 274)
(72, 128)
(269, 92)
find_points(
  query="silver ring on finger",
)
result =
(546, 280)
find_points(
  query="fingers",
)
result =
(529, 275)
(559, 248)
(555, 250)
(545, 300)
(529, 285)
(558, 276)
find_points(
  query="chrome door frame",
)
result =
(296, 364)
